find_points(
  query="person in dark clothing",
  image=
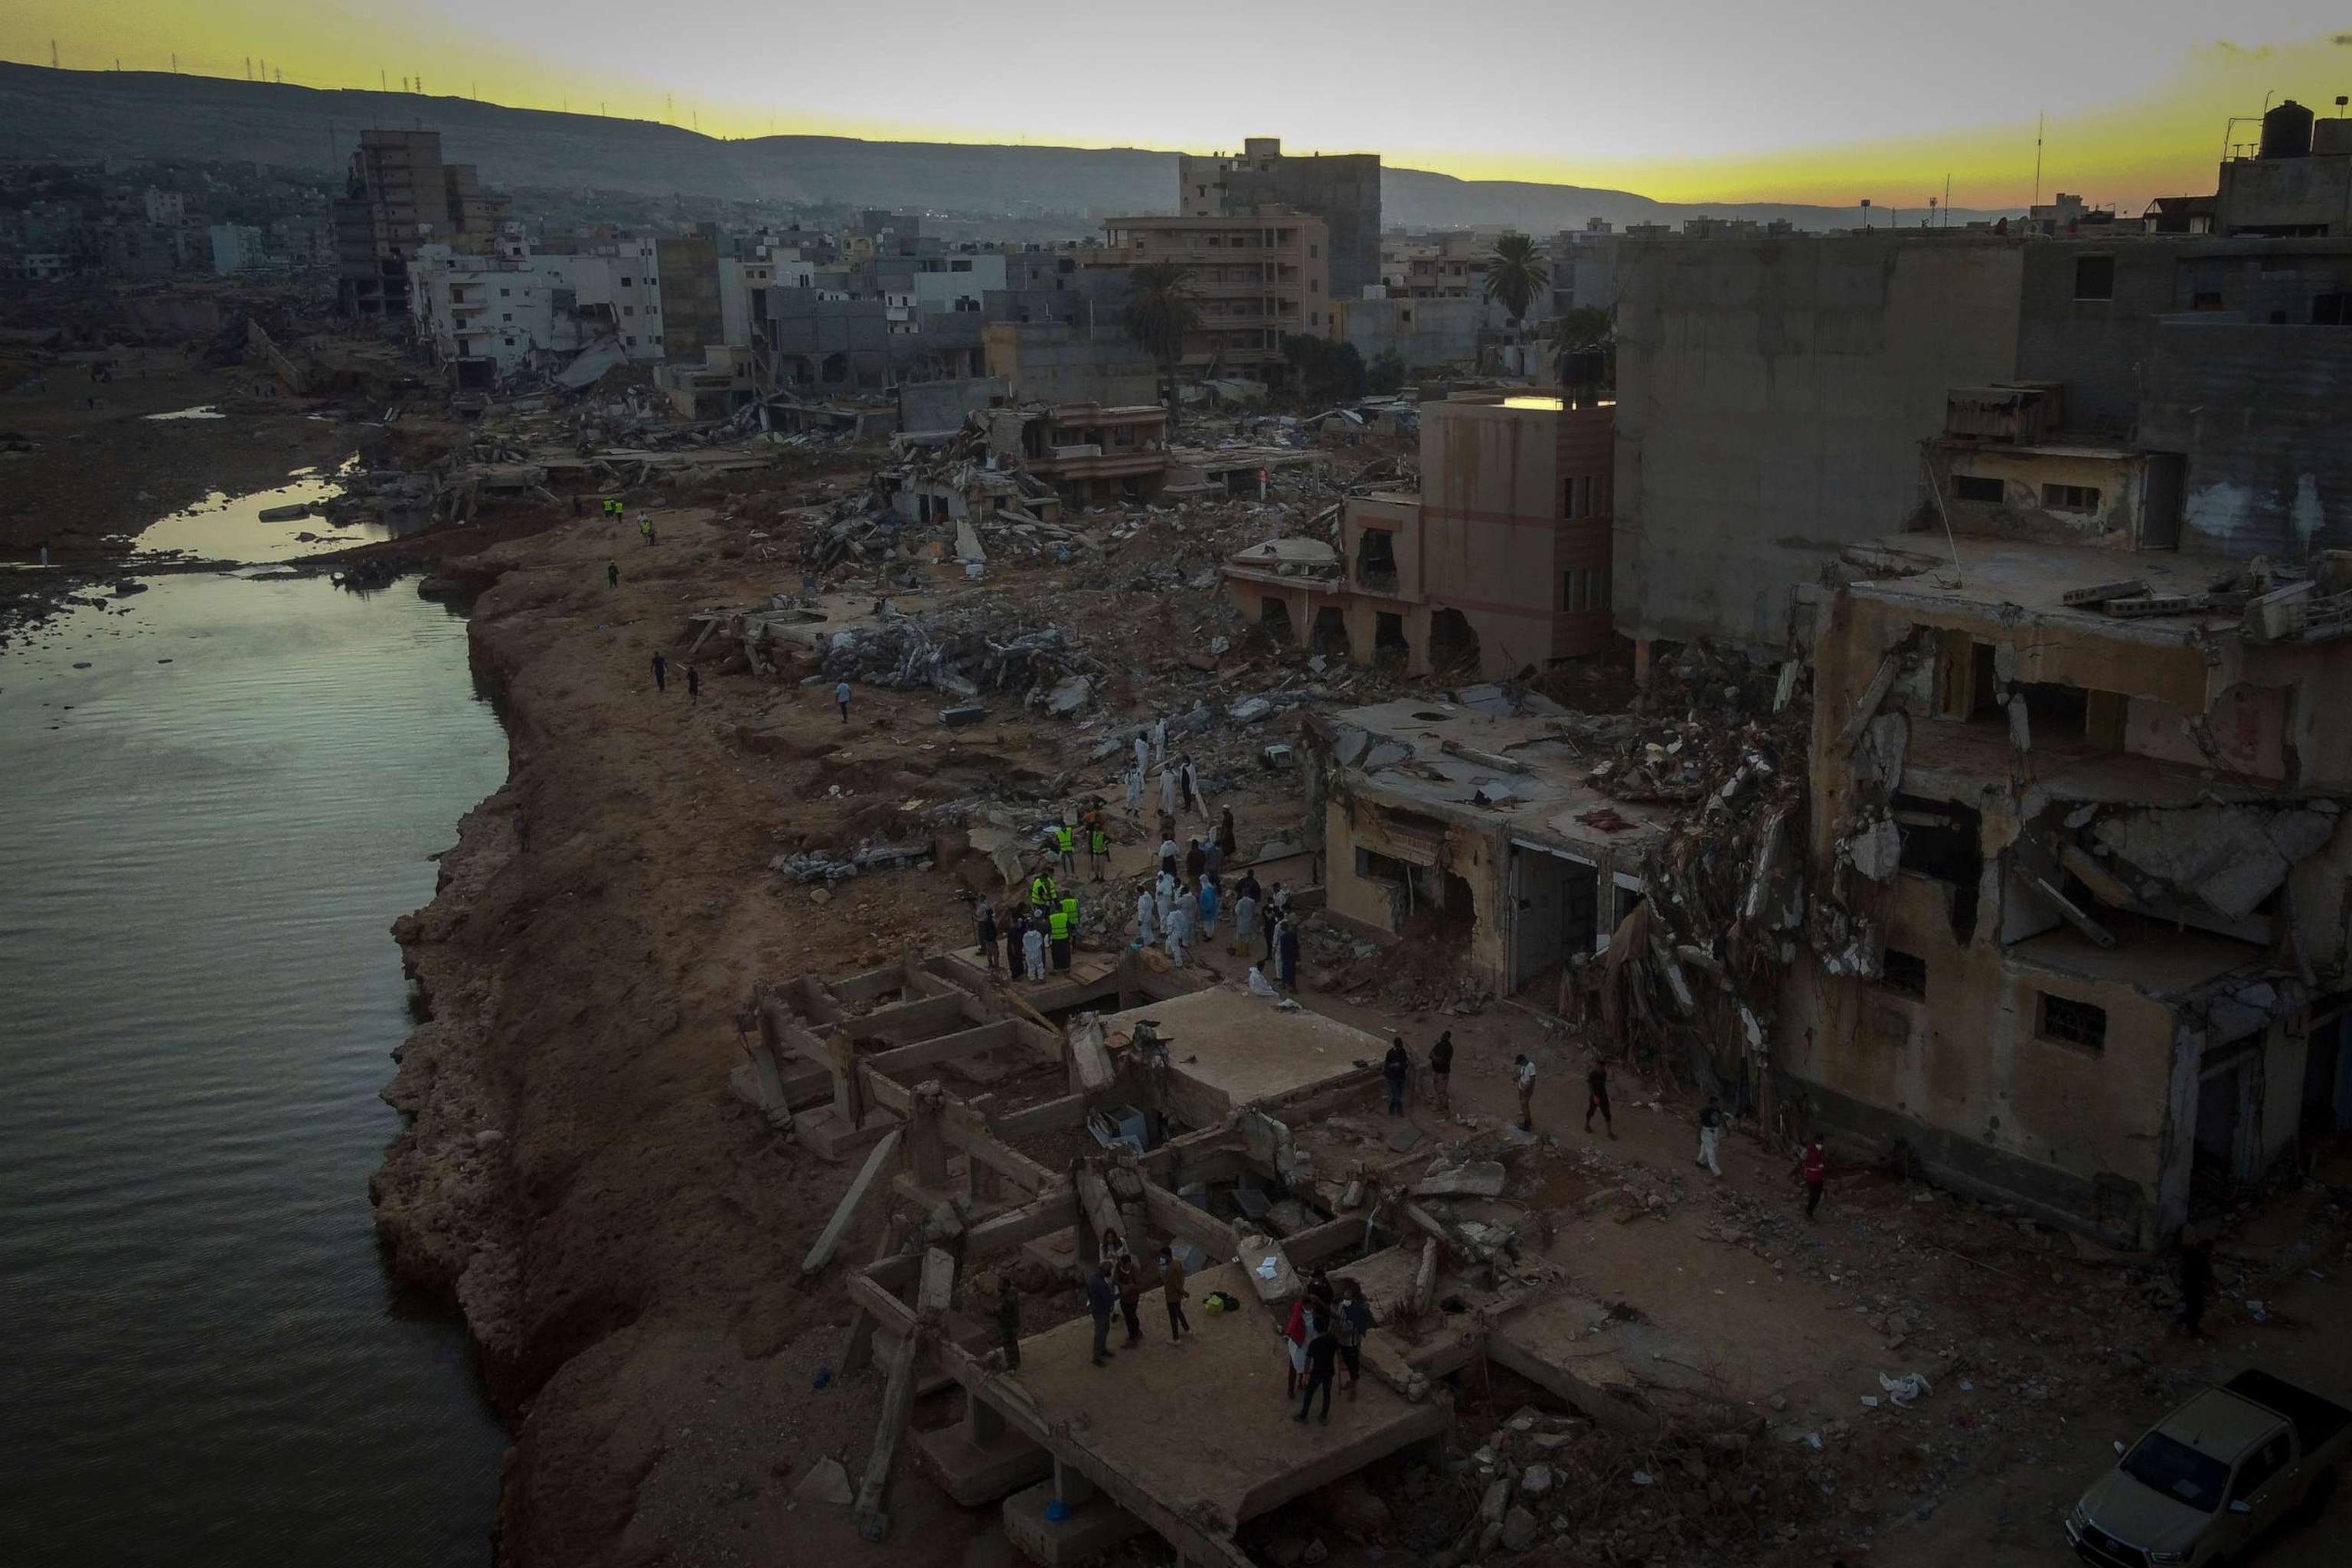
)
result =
(1101, 1297)
(693, 684)
(1196, 860)
(2196, 1285)
(1441, 1070)
(1814, 1166)
(1393, 1066)
(1596, 1083)
(612, 573)
(661, 672)
(986, 917)
(1287, 954)
(1172, 1283)
(522, 831)
(1013, 931)
(1008, 1322)
(1322, 1355)
(1228, 839)
(1350, 1321)
(1129, 1281)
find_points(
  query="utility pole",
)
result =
(2037, 158)
(53, 54)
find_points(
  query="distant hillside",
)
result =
(144, 114)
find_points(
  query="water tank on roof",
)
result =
(2287, 131)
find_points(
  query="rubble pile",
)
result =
(1701, 959)
(964, 653)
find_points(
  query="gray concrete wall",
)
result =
(804, 330)
(2095, 347)
(942, 405)
(1061, 365)
(1343, 190)
(2264, 414)
(1772, 394)
(1425, 331)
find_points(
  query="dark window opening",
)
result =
(2094, 277)
(1389, 646)
(2070, 1023)
(2054, 709)
(2070, 498)
(1903, 972)
(2331, 310)
(1376, 564)
(2206, 299)
(1274, 619)
(1984, 680)
(1975, 487)
(1331, 632)
(1372, 864)
(1453, 642)
(1943, 842)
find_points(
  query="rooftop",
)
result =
(1244, 1048)
(1400, 749)
(1934, 569)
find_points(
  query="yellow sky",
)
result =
(1811, 100)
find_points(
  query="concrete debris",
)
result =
(1485, 1179)
(814, 866)
(2228, 857)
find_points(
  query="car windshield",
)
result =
(2168, 1466)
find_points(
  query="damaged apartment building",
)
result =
(2078, 929)
(1497, 564)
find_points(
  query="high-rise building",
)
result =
(400, 195)
(1342, 189)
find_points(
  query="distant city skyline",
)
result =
(1826, 102)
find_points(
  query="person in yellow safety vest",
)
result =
(1065, 846)
(1097, 846)
(1057, 932)
(1039, 889)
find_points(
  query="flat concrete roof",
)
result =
(1993, 573)
(1547, 800)
(1207, 1420)
(1245, 1048)
(2149, 955)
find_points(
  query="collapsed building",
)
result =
(2079, 926)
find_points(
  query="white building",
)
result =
(236, 248)
(486, 313)
(166, 206)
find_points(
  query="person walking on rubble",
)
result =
(1168, 856)
(1058, 926)
(1178, 918)
(1160, 739)
(1191, 776)
(1196, 861)
(1710, 1137)
(1013, 931)
(612, 573)
(1322, 1354)
(1351, 1319)
(1167, 791)
(693, 684)
(841, 699)
(1066, 850)
(1097, 846)
(1523, 1079)
(1244, 921)
(1206, 899)
(1228, 839)
(985, 918)
(1814, 1165)
(661, 672)
(1393, 1066)
(1143, 917)
(1135, 790)
(1101, 1297)
(645, 525)
(1596, 1085)
(1441, 1073)
(1142, 754)
(1129, 1276)
(1172, 1285)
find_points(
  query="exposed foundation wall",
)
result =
(1377, 905)
(1772, 396)
(2027, 510)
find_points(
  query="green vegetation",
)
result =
(1514, 274)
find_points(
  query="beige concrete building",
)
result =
(1499, 564)
(1256, 278)
(2078, 891)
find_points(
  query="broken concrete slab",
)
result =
(2231, 858)
(827, 1481)
(1481, 1179)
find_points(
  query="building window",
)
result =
(628, 309)
(2206, 299)
(510, 342)
(2094, 277)
(2331, 310)
(1975, 487)
(1568, 595)
(1313, 251)
(1314, 318)
(633, 342)
(1903, 972)
(2069, 1023)
(2070, 498)
(624, 282)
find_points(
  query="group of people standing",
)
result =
(1325, 1332)
(1116, 1281)
(1038, 938)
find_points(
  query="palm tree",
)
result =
(1159, 314)
(1514, 274)
(1584, 327)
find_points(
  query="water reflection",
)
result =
(232, 528)
(220, 795)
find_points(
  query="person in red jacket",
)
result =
(1816, 1172)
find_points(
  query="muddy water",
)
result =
(208, 829)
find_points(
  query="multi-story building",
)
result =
(484, 312)
(1343, 190)
(399, 195)
(1499, 564)
(1255, 278)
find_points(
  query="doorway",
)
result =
(1557, 902)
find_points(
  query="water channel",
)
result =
(219, 794)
